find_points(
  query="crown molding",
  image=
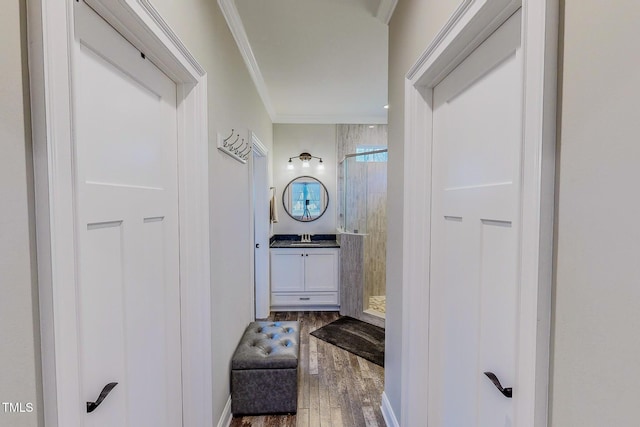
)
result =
(234, 21)
(385, 10)
(232, 16)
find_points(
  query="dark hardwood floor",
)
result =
(335, 387)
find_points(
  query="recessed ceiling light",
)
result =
(386, 107)
(371, 126)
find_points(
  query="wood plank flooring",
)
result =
(335, 387)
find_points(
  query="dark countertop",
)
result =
(292, 241)
(292, 244)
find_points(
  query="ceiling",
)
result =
(315, 61)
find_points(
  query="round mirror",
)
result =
(305, 199)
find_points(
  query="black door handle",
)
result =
(91, 406)
(257, 245)
(508, 392)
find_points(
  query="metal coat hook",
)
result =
(229, 137)
(246, 151)
(230, 146)
(238, 147)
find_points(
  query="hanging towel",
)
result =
(273, 208)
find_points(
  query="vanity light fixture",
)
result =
(306, 159)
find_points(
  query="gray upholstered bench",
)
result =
(264, 369)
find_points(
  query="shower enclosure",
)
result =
(362, 199)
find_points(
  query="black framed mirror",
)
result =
(305, 199)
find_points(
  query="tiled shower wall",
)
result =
(367, 200)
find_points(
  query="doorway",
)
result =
(477, 135)
(478, 235)
(261, 227)
(99, 206)
(362, 220)
(127, 229)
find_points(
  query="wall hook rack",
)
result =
(236, 145)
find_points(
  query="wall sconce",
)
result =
(306, 159)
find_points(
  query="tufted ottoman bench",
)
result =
(264, 369)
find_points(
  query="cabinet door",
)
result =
(287, 270)
(321, 270)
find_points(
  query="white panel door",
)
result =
(127, 227)
(477, 133)
(261, 223)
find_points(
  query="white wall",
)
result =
(20, 379)
(319, 141)
(233, 103)
(412, 27)
(595, 362)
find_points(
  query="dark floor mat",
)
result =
(357, 337)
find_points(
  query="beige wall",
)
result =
(596, 369)
(233, 103)
(318, 140)
(19, 334)
(412, 27)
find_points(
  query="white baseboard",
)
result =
(225, 418)
(387, 412)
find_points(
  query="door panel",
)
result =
(477, 134)
(287, 270)
(102, 313)
(321, 269)
(497, 319)
(127, 216)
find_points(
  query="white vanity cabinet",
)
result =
(305, 278)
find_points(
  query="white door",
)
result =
(127, 228)
(477, 138)
(261, 222)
